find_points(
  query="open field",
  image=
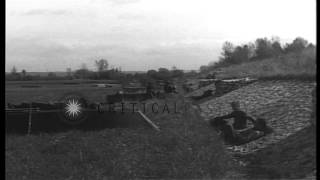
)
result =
(186, 147)
(45, 91)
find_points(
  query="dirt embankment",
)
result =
(293, 157)
(287, 107)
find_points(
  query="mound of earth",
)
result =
(218, 88)
(291, 158)
(200, 91)
(286, 105)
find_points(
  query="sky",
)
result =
(137, 35)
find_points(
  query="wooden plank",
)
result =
(149, 121)
(30, 119)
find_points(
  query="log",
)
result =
(149, 121)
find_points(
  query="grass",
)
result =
(293, 65)
(53, 92)
(186, 147)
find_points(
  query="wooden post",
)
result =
(30, 116)
(149, 121)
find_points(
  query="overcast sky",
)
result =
(52, 35)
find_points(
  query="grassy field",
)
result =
(186, 147)
(45, 91)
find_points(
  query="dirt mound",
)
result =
(293, 157)
(218, 88)
(200, 91)
(286, 105)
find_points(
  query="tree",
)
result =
(69, 72)
(13, 75)
(52, 74)
(163, 73)
(24, 73)
(177, 73)
(203, 68)
(152, 73)
(102, 65)
(241, 54)
(297, 45)
(263, 48)
(14, 70)
(83, 72)
(277, 49)
(227, 53)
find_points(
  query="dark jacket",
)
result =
(240, 119)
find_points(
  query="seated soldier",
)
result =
(239, 116)
(238, 132)
(239, 125)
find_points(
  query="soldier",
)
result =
(239, 131)
(150, 89)
(239, 116)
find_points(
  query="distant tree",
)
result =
(102, 65)
(14, 76)
(83, 72)
(241, 54)
(264, 48)
(177, 73)
(227, 53)
(311, 45)
(203, 68)
(14, 70)
(24, 73)
(276, 46)
(152, 73)
(69, 72)
(297, 45)
(52, 74)
(163, 70)
(163, 74)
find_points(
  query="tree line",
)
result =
(261, 48)
(103, 72)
